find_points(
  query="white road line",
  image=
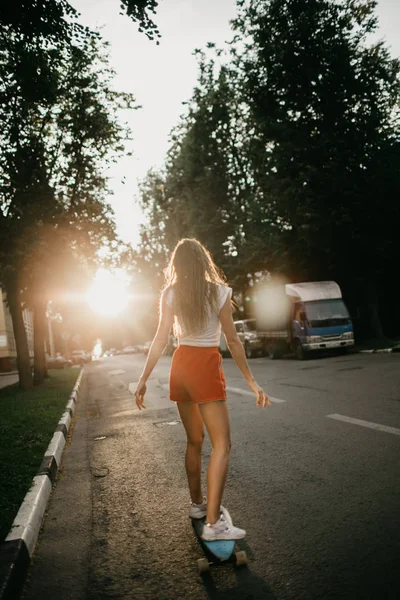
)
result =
(116, 372)
(243, 392)
(368, 424)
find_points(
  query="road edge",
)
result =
(17, 549)
(381, 350)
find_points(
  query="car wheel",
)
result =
(299, 351)
(272, 354)
(248, 351)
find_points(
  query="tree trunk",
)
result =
(21, 341)
(373, 310)
(39, 362)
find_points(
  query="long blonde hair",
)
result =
(194, 278)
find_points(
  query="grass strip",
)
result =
(27, 423)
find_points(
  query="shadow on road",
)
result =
(248, 586)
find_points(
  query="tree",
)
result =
(52, 18)
(196, 195)
(60, 128)
(323, 106)
(286, 160)
(39, 43)
(138, 10)
(207, 188)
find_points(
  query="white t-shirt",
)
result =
(210, 337)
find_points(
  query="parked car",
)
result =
(146, 347)
(57, 362)
(130, 350)
(171, 346)
(248, 335)
(110, 352)
(80, 357)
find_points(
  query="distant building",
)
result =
(8, 350)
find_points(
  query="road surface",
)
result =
(314, 479)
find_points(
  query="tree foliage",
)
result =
(204, 190)
(141, 11)
(55, 19)
(61, 128)
(323, 106)
(286, 160)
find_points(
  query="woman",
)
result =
(197, 300)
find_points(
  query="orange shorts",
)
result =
(196, 375)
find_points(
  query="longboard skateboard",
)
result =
(219, 550)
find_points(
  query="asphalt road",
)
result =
(314, 479)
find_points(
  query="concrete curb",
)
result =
(17, 550)
(381, 350)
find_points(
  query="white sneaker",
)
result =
(221, 530)
(198, 511)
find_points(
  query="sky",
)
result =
(162, 77)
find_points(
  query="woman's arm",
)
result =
(236, 349)
(156, 349)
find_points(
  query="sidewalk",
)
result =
(46, 406)
(60, 564)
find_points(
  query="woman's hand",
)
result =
(139, 394)
(262, 398)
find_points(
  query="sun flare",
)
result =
(108, 295)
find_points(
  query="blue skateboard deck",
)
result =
(222, 550)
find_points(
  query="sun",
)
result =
(108, 295)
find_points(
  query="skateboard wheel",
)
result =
(241, 558)
(203, 565)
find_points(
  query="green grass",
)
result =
(27, 423)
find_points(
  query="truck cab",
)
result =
(320, 317)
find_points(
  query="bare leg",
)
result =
(216, 418)
(193, 424)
